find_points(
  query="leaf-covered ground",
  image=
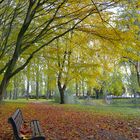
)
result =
(66, 123)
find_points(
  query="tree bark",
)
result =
(48, 94)
(89, 91)
(15, 88)
(27, 92)
(1, 97)
(77, 89)
(37, 90)
(62, 96)
(83, 90)
(48, 91)
(3, 87)
(10, 96)
(97, 93)
(61, 91)
(137, 67)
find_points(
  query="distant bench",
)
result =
(18, 125)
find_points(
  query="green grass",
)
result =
(128, 108)
(127, 102)
(26, 101)
(108, 110)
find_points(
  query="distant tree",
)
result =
(129, 23)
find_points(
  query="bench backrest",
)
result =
(16, 121)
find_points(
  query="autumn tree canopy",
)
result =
(76, 38)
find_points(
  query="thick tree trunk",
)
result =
(61, 96)
(61, 91)
(3, 87)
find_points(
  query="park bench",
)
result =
(17, 122)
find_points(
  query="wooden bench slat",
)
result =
(39, 128)
(32, 128)
(35, 128)
(16, 113)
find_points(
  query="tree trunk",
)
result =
(97, 93)
(61, 91)
(5, 95)
(101, 93)
(10, 96)
(27, 92)
(37, 90)
(15, 88)
(61, 96)
(77, 89)
(137, 67)
(89, 91)
(48, 94)
(83, 91)
(3, 87)
(15, 93)
(1, 97)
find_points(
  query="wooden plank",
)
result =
(15, 114)
(36, 128)
(32, 128)
(39, 128)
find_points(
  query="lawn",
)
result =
(76, 122)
